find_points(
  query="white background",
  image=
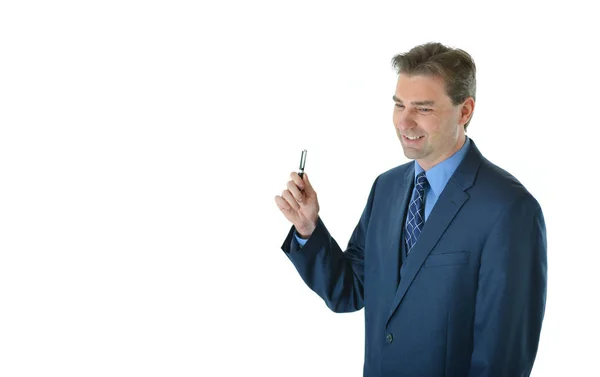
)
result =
(142, 145)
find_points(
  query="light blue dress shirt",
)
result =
(438, 176)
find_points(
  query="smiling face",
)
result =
(429, 127)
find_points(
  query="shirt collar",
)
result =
(439, 175)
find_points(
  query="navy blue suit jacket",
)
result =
(469, 299)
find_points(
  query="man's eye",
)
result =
(399, 106)
(424, 110)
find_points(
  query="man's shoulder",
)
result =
(501, 185)
(396, 173)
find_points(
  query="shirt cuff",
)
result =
(301, 241)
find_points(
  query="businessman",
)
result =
(449, 256)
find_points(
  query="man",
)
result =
(449, 256)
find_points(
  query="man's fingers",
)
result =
(297, 180)
(282, 204)
(295, 191)
(290, 200)
(303, 183)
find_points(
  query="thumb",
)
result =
(307, 186)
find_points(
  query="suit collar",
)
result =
(464, 176)
(439, 175)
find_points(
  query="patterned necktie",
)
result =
(416, 213)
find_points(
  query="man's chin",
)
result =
(411, 153)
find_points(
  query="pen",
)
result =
(302, 163)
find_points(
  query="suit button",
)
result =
(389, 338)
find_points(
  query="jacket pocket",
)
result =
(447, 259)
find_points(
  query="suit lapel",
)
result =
(401, 196)
(447, 206)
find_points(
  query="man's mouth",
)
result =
(413, 137)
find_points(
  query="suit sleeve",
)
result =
(511, 295)
(336, 276)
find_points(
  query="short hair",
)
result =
(453, 65)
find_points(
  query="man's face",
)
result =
(430, 129)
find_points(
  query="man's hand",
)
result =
(299, 204)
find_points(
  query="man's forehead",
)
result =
(420, 88)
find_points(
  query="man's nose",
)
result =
(405, 120)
